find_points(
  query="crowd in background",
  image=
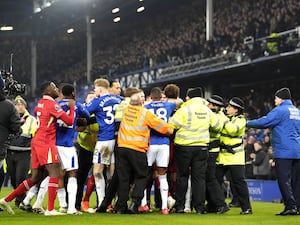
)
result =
(175, 35)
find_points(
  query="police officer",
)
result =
(214, 193)
(19, 151)
(192, 122)
(232, 155)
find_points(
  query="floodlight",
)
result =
(140, 9)
(117, 19)
(92, 21)
(6, 28)
(70, 30)
(37, 10)
(115, 10)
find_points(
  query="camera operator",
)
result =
(9, 121)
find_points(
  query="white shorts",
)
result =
(159, 154)
(104, 152)
(68, 157)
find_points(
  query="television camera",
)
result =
(12, 87)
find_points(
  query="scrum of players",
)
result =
(81, 145)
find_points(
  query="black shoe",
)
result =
(222, 209)
(121, 212)
(179, 210)
(27, 208)
(210, 209)
(102, 208)
(201, 210)
(1, 210)
(288, 212)
(133, 208)
(246, 212)
(234, 205)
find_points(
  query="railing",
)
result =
(286, 41)
(275, 43)
(196, 66)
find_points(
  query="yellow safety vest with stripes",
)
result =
(29, 127)
(87, 139)
(192, 122)
(215, 134)
(232, 137)
(120, 109)
(134, 131)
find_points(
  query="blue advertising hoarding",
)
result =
(264, 190)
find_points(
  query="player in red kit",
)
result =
(44, 153)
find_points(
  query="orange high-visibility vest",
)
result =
(134, 132)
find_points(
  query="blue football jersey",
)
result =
(65, 134)
(163, 110)
(104, 109)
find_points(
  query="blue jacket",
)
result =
(284, 120)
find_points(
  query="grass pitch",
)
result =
(263, 213)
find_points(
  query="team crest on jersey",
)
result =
(57, 108)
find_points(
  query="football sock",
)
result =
(164, 188)
(21, 189)
(72, 191)
(52, 192)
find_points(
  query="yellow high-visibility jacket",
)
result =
(232, 136)
(215, 134)
(192, 122)
(87, 139)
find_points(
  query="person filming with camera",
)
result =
(10, 123)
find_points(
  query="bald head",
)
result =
(136, 99)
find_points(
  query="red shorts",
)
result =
(43, 154)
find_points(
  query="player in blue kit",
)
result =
(103, 107)
(65, 145)
(159, 148)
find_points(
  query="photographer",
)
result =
(9, 121)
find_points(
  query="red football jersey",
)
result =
(47, 111)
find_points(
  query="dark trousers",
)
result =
(18, 165)
(132, 165)
(84, 165)
(112, 186)
(190, 159)
(288, 177)
(214, 193)
(237, 173)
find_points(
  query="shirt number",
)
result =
(109, 113)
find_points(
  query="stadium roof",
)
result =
(15, 12)
(65, 13)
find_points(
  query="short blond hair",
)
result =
(101, 82)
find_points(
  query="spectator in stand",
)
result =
(260, 162)
(272, 175)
